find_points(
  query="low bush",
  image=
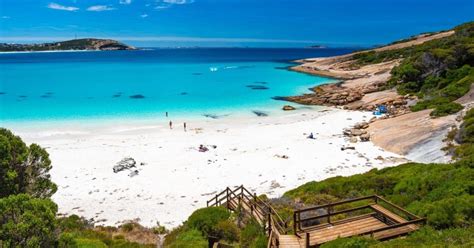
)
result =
(207, 219)
(446, 109)
(189, 238)
(253, 235)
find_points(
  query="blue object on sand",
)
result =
(382, 109)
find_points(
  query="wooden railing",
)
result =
(265, 214)
(329, 212)
(329, 209)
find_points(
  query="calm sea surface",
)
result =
(145, 83)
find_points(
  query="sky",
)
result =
(222, 23)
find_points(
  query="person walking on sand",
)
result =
(184, 126)
(171, 125)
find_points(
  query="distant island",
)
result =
(318, 46)
(76, 44)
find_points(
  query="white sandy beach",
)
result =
(176, 178)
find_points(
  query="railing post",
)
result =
(269, 223)
(294, 223)
(255, 200)
(217, 204)
(227, 197)
(307, 240)
(376, 199)
(329, 214)
(299, 220)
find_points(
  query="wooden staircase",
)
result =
(371, 217)
(249, 203)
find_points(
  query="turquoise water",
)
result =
(131, 84)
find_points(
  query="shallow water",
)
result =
(147, 83)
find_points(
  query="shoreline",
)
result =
(362, 87)
(175, 178)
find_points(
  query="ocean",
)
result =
(187, 82)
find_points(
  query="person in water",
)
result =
(166, 114)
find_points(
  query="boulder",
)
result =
(365, 137)
(288, 108)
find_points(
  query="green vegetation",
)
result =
(438, 71)
(217, 224)
(27, 214)
(442, 193)
(23, 169)
(425, 237)
(27, 222)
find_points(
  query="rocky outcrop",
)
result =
(357, 132)
(288, 108)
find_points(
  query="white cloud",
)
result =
(125, 1)
(144, 16)
(178, 1)
(61, 7)
(164, 4)
(99, 8)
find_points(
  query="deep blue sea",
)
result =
(150, 82)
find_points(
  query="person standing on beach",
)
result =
(171, 125)
(184, 126)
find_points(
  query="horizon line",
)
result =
(185, 39)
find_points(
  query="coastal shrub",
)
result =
(189, 238)
(429, 237)
(90, 243)
(228, 231)
(424, 237)
(429, 104)
(95, 238)
(27, 222)
(73, 223)
(23, 169)
(127, 227)
(466, 131)
(446, 109)
(450, 212)
(67, 240)
(421, 188)
(253, 235)
(207, 219)
(356, 242)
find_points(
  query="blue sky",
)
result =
(273, 23)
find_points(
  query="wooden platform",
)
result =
(371, 216)
(354, 227)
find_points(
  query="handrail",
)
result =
(253, 202)
(336, 213)
(397, 207)
(335, 204)
(411, 222)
